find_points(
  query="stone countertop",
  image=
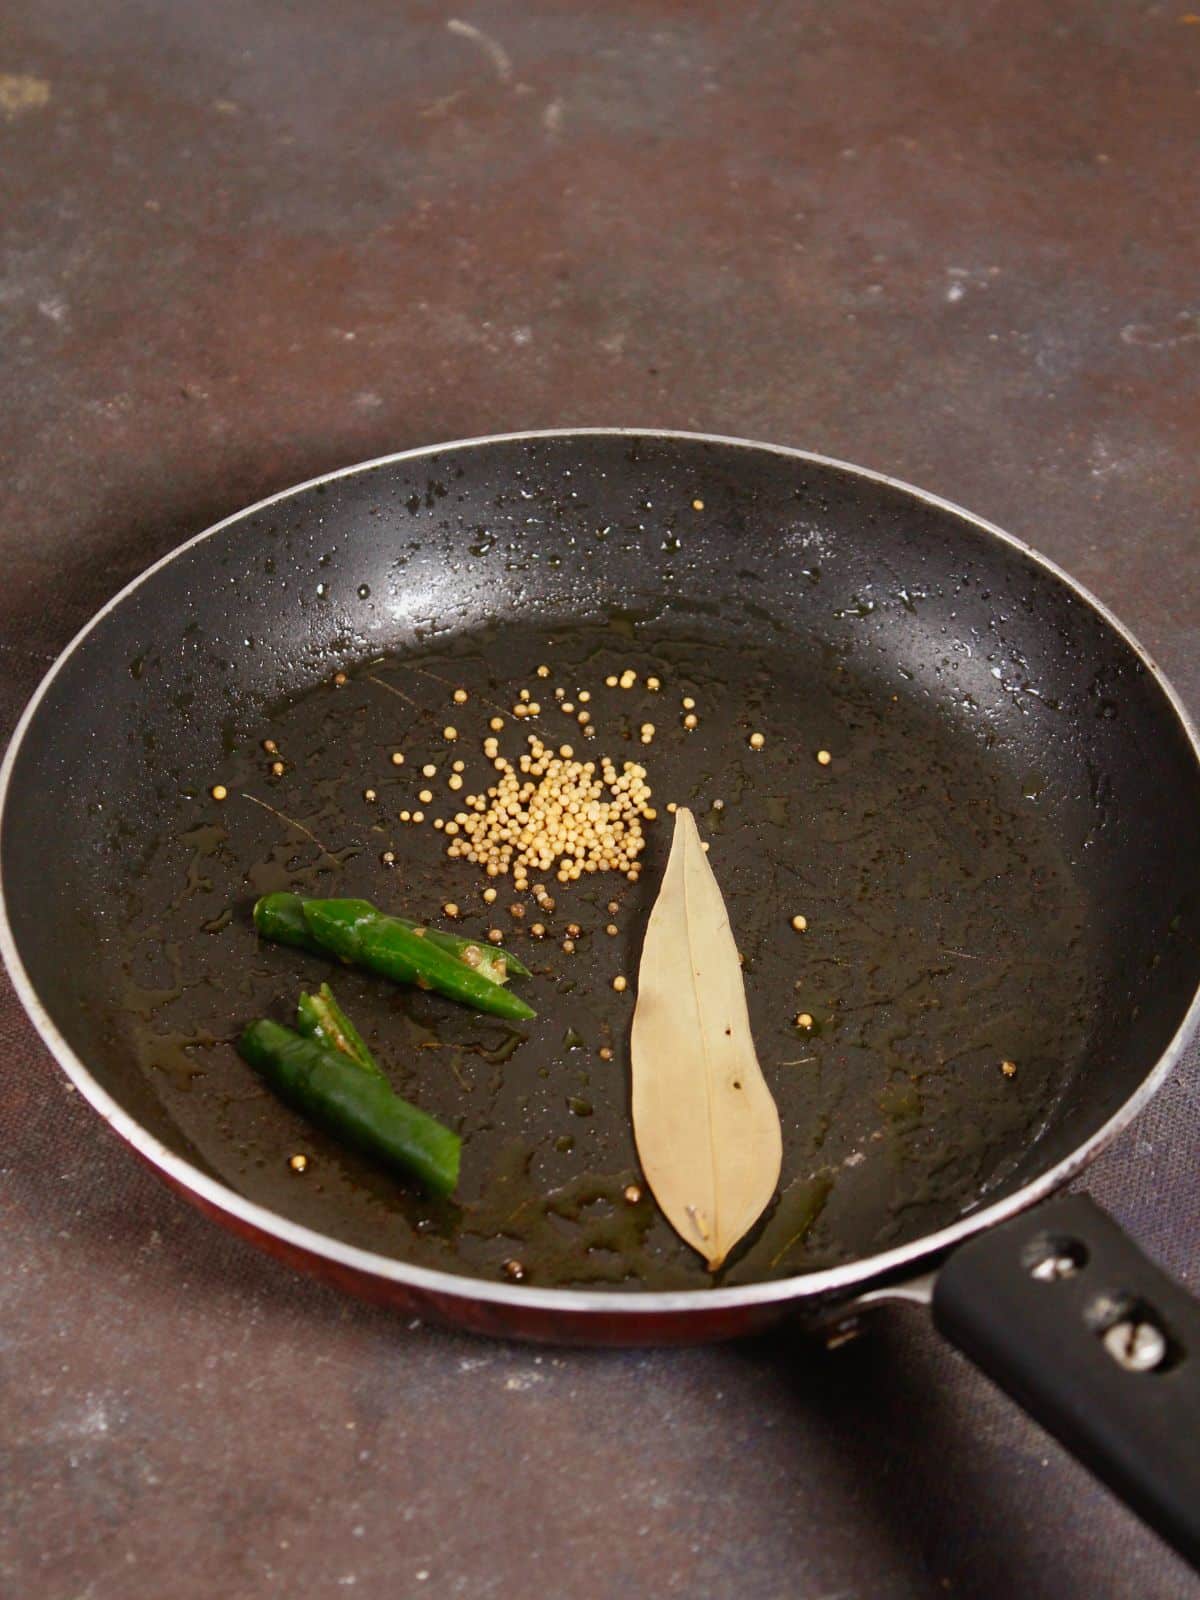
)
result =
(242, 245)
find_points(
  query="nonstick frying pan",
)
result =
(999, 870)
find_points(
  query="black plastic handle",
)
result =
(1066, 1313)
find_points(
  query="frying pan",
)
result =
(999, 864)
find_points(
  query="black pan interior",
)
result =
(999, 863)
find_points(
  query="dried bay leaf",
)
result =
(707, 1130)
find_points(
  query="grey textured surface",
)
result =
(240, 247)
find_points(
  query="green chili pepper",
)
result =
(357, 1106)
(281, 917)
(319, 1017)
(356, 931)
(495, 963)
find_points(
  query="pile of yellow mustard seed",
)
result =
(551, 813)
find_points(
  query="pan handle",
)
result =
(1064, 1312)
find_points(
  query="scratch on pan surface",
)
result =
(1183, 328)
(492, 48)
(289, 821)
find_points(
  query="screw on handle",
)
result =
(1068, 1315)
(1136, 1346)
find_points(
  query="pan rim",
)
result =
(830, 1283)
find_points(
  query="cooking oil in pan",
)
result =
(942, 934)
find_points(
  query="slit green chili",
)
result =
(319, 1017)
(280, 917)
(356, 931)
(332, 1089)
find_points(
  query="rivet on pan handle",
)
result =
(1097, 1343)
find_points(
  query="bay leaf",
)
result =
(706, 1127)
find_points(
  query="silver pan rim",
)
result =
(834, 1282)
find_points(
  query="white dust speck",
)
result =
(91, 1422)
(809, 539)
(521, 1381)
(113, 407)
(94, 1420)
(964, 278)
